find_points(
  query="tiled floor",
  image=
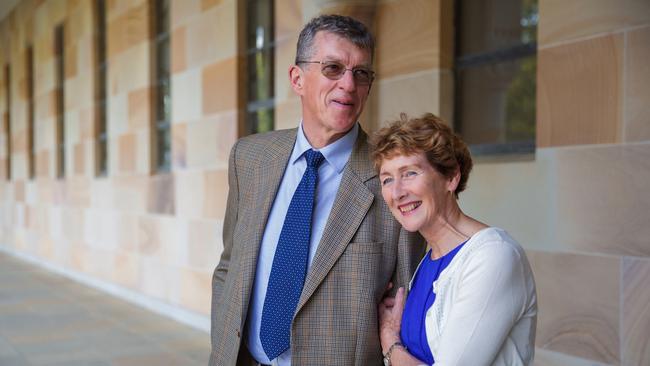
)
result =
(46, 319)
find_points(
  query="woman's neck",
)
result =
(449, 230)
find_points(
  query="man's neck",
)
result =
(319, 139)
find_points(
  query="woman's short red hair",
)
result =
(429, 134)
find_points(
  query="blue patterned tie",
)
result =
(289, 263)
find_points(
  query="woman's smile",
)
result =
(408, 208)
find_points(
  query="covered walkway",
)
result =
(47, 319)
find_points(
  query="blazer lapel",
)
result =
(350, 207)
(268, 175)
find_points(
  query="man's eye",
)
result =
(332, 68)
(362, 73)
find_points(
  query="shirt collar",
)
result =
(337, 153)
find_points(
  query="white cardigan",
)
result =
(485, 312)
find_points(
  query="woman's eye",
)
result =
(386, 181)
(410, 174)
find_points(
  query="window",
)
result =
(260, 53)
(31, 149)
(101, 135)
(60, 101)
(496, 62)
(162, 98)
(8, 119)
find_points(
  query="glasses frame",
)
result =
(356, 80)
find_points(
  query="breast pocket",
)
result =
(362, 269)
(361, 248)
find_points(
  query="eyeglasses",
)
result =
(334, 71)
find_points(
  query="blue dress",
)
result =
(418, 301)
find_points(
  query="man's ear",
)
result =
(296, 78)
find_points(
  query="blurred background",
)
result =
(118, 117)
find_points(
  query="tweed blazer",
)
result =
(361, 250)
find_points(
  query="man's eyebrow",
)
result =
(338, 60)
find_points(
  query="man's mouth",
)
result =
(343, 103)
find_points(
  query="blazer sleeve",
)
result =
(230, 220)
(411, 249)
(489, 299)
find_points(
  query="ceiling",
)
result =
(6, 6)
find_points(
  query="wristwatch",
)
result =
(390, 351)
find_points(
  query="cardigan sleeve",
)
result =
(489, 298)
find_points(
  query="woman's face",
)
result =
(414, 191)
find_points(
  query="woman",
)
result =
(472, 299)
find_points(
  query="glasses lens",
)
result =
(332, 70)
(362, 76)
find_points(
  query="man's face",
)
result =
(330, 108)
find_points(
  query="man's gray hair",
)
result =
(343, 26)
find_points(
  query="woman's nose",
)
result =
(398, 190)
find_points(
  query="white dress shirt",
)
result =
(330, 173)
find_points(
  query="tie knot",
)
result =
(314, 158)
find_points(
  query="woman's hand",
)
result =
(390, 321)
(390, 318)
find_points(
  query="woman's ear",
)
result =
(453, 182)
(296, 79)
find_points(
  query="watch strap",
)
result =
(390, 352)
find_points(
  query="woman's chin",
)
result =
(410, 228)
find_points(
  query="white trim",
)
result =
(589, 37)
(623, 94)
(193, 319)
(591, 146)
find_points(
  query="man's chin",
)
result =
(344, 124)
(345, 127)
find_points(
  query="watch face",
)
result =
(386, 362)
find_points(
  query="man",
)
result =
(309, 245)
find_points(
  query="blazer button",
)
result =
(238, 334)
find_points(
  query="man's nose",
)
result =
(347, 82)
